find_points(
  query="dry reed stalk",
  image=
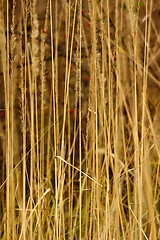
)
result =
(54, 121)
(107, 188)
(23, 119)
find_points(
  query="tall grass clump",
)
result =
(79, 119)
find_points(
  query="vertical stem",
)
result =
(54, 114)
(80, 120)
(8, 130)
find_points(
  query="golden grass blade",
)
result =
(63, 160)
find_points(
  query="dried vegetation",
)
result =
(79, 119)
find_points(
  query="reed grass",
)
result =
(79, 140)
